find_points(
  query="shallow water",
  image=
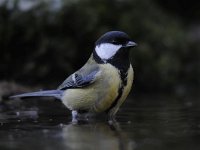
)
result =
(143, 123)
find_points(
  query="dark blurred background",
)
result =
(42, 42)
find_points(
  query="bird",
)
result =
(104, 81)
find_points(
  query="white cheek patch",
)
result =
(106, 51)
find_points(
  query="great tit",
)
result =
(103, 83)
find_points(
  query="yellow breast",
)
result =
(109, 84)
(98, 96)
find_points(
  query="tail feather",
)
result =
(49, 93)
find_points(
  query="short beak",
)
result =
(131, 44)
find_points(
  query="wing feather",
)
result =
(79, 79)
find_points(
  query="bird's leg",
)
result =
(74, 116)
(111, 115)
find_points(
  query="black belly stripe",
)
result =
(123, 76)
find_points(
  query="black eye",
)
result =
(115, 42)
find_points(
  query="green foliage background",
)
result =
(43, 45)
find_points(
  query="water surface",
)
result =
(143, 123)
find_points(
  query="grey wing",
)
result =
(79, 79)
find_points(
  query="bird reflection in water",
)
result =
(96, 135)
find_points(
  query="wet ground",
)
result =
(143, 123)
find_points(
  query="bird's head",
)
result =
(112, 43)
